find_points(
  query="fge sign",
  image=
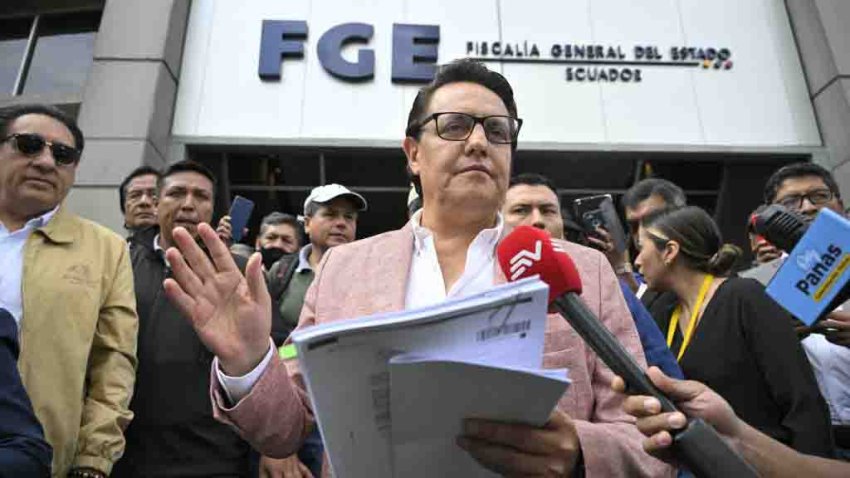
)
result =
(414, 50)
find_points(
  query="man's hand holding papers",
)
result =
(519, 450)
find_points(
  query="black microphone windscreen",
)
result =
(780, 226)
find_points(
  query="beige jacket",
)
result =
(78, 339)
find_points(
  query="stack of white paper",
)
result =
(390, 391)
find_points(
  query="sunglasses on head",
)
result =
(31, 144)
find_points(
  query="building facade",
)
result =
(278, 97)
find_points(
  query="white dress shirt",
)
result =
(831, 366)
(425, 286)
(12, 263)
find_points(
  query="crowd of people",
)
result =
(165, 352)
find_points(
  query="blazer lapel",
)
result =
(392, 270)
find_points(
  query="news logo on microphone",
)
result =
(817, 269)
(820, 273)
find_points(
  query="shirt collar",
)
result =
(304, 259)
(159, 250)
(490, 236)
(37, 222)
(42, 220)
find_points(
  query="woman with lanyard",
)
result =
(727, 333)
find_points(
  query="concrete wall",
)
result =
(128, 100)
(820, 28)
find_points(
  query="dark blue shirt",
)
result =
(23, 451)
(653, 342)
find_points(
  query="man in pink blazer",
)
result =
(446, 250)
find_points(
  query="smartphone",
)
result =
(240, 212)
(595, 212)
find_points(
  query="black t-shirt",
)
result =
(745, 348)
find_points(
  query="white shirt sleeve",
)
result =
(237, 388)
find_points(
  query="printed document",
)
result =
(390, 391)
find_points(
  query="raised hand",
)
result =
(231, 313)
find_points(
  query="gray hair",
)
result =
(275, 218)
(671, 193)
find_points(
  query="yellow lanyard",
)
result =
(674, 320)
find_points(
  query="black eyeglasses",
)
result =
(817, 197)
(451, 126)
(31, 144)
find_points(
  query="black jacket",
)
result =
(23, 451)
(173, 432)
(279, 277)
(746, 350)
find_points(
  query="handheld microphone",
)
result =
(815, 278)
(779, 226)
(528, 251)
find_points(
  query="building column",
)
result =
(824, 44)
(128, 101)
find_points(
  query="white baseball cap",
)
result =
(329, 192)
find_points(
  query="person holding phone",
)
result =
(173, 432)
(532, 200)
(232, 227)
(643, 198)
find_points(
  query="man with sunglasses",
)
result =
(807, 188)
(461, 136)
(67, 282)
